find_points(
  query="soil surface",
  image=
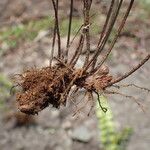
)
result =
(56, 129)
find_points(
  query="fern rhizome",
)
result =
(53, 85)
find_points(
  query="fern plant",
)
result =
(53, 85)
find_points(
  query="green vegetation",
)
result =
(146, 7)
(76, 24)
(27, 32)
(5, 86)
(14, 35)
(109, 137)
(11, 36)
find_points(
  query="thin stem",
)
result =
(55, 5)
(116, 36)
(131, 71)
(104, 29)
(101, 47)
(53, 44)
(87, 6)
(106, 22)
(78, 51)
(76, 35)
(69, 30)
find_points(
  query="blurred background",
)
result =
(26, 29)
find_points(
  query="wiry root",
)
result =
(90, 99)
(12, 88)
(132, 85)
(98, 98)
(78, 110)
(52, 85)
(126, 96)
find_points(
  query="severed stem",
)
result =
(78, 51)
(53, 43)
(116, 37)
(76, 35)
(87, 6)
(131, 71)
(69, 29)
(63, 63)
(104, 29)
(101, 46)
(55, 5)
(84, 35)
(106, 21)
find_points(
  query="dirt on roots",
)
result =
(41, 87)
(52, 85)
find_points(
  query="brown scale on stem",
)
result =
(52, 85)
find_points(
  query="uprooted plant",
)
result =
(53, 84)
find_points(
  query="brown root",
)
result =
(41, 87)
(51, 86)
